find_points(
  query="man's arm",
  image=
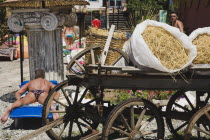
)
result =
(22, 90)
(181, 26)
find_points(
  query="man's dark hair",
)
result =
(173, 12)
(39, 73)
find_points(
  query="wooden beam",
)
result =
(106, 48)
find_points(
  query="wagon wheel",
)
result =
(92, 55)
(181, 108)
(79, 117)
(132, 119)
(199, 125)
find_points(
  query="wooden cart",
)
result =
(82, 115)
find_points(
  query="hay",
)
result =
(202, 42)
(103, 32)
(166, 47)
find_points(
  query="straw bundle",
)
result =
(202, 42)
(103, 32)
(166, 47)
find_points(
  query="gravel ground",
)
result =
(10, 80)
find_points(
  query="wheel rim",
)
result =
(76, 65)
(199, 125)
(132, 119)
(77, 113)
(181, 108)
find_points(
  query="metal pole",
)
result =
(21, 55)
(118, 10)
(80, 27)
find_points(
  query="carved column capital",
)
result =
(39, 19)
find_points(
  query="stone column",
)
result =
(45, 51)
(44, 40)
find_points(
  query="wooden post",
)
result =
(21, 55)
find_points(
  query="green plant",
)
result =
(147, 9)
(144, 94)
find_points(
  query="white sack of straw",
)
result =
(201, 39)
(141, 55)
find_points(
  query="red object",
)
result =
(96, 23)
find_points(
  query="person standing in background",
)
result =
(68, 34)
(96, 23)
(175, 22)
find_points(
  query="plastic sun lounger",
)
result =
(33, 110)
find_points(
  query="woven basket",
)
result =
(101, 41)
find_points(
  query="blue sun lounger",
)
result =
(33, 110)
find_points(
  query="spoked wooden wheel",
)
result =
(133, 119)
(199, 125)
(181, 107)
(79, 115)
(92, 55)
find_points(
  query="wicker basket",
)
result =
(92, 40)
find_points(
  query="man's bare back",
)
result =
(37, 91)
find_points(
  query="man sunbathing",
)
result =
(37, 92)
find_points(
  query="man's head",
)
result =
(174, 16)
(39, 73)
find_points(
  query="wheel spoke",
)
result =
(125, 138)
(86, 126)
(113, 63)
(70, 127)
(201, 130)
(125, 122)
(207, 98)
(92, 57)
(77, 62)
(132, 117)
(90, 101)
(181, 126)
(57, 111)
(83, 95)
(185, 109)
(60, 102)
(85, 121)
(149, 132)
(80, 129)
(120, 131)
(66, 96)
(138, 124)
(63, 128)
(189, 101)
(205, 127)
(76, 95)
(207, 115)
(146, 123)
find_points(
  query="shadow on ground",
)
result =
(25, 124)
(2, 58)
(9, 97)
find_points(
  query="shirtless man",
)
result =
(68, 34)
(38, 91)
(175, 22)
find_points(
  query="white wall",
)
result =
(95, 4)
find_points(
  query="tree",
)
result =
(147, 9)
(2, 13)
